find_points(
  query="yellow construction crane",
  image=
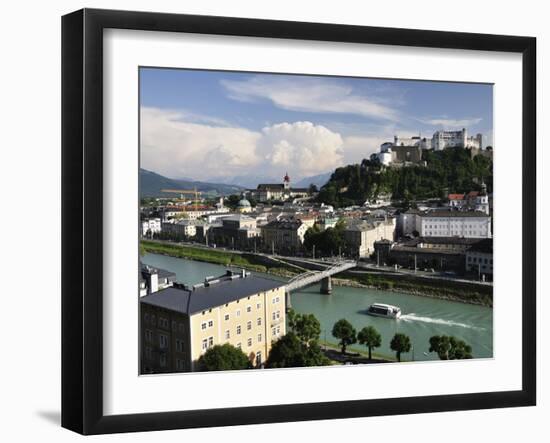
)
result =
(182, 192)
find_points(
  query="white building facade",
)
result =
(456, 139)
(150, 226)
(472, 224)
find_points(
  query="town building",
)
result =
(360, 235)
(244, 206)
(473, 200)
(284, 235)
(238, 231)
(445, 223)
(154, 279)
(150, 227)
(479, 259)
(180, 228)
(278, 191)
(179, 324)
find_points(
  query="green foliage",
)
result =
(327, 242)
(232, 201)
(450, 348)
(291, 352)
(306, 327)
(400, 343)
(223, 358)
(299, 347)
(369, 337)
(448, 171)
(345, 332)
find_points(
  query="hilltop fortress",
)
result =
(408, 150)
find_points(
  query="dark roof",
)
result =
(485, 245)
(284, 224)
(268, 186)
(228, 289)
(442, 241)
(146, 269)
(439, 213)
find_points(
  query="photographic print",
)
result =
(291, 220)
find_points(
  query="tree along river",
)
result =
(422, 317)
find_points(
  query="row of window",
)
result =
(481, 260)
(163, 322)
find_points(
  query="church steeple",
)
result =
(286, 181)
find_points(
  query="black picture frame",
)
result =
(82, 190)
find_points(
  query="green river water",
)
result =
(422, 317)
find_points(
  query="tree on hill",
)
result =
(223, 358)
(400, 343)
(345, 332)
(450, 348)
(447, 170)
(369, 337)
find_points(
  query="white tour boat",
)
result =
(383, 310)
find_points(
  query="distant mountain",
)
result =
(152, 183)
(317, 180)
(249, 181)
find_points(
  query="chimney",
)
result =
(153, 281)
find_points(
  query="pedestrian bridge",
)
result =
(312, 277)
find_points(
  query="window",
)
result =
(203, 325)
(163, 322)
(210, 342)
(148, 353)
(226, 317)
(174, 325)
(204, 344)
(258, 305)
(259, 338)
(239, 345)
(258, 358)
(148, 335)
(239, 330)
(163, 360)
(180, 364)
(210, 323)
(163, 341)
(248, 326)
(238, 313)
(182, 328)
(146, 317)
(227, 335)
(249, 342)
(249, 308)
(179, 345)
(259, 321)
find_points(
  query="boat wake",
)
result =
(438, 321)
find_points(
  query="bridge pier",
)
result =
(326, 285)
(288, 303)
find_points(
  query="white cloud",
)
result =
(449, 123)
(301, 148)
(309, 95)
(356, 148)
(174, 147)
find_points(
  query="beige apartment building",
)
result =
(360, 236)
(179, 324)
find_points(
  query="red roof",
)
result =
(472, 194)
(456, 196)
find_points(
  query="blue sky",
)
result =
(217, 125)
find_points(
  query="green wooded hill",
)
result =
(450, 170)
